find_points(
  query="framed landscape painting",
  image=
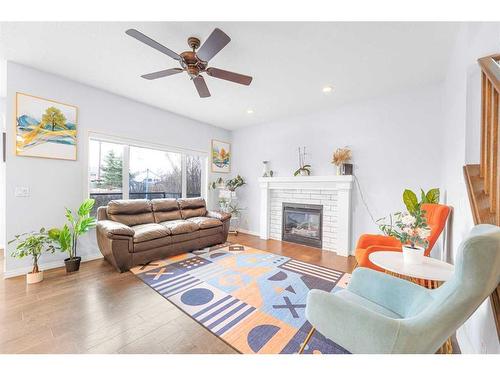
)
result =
(221, 156)
(45, 128)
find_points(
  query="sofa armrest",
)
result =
(222, 216)
(351, 325)
(113, 228)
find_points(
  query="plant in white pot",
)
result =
(411, 228)
(67, 236)
(33, 244)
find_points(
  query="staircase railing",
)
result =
(483, 180)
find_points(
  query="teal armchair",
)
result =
(379, 313)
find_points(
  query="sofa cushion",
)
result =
(180, 226)
(148, 232)
(205, 222)
(165, 209)
(130, 211)
(191, 207)
(152, 244)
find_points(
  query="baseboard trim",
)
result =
(47, 266)
(245, 231)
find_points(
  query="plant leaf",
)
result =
(410, 200)
(433, 196)
(86, 207)
(54, 233)
(423, 198)
(65, 238)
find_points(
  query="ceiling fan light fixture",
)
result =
(327, 89)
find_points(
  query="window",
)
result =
(154, 174)
(148, 172)
(193, 176)
(105, 172)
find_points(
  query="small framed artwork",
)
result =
(221, 156)
(45, 128)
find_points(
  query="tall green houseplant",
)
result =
(78, 223)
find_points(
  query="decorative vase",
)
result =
(339, 169)
(72, 264)
(303, 172)
(33, 278)
(413, 255)
(265, 171)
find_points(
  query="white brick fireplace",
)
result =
(332, 192)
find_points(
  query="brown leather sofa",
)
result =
(132, 232)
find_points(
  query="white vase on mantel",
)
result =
(339, 169)
(304, 173)
(413, 255)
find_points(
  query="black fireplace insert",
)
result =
(303, 224)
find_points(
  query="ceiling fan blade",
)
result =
(229, 76)
(201, 86)
(214, 43)
(152, 43)
(162, 73)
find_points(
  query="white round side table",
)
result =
(429, 270)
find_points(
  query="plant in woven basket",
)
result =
(33, 244)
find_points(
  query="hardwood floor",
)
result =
(98, 310)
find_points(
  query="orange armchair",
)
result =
(436, 215)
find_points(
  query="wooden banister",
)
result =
(483, 180)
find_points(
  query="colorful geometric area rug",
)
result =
(253, 300)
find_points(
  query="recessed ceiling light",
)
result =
(327, 89)
(250, 111)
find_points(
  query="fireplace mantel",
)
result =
(311, 189)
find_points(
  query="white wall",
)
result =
(2, 174)
(395, 141)
(55, 184)
(461, 142)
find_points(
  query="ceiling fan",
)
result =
(196, 61)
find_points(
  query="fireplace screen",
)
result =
(302, 223)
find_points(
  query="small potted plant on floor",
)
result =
(411, 227)
(33, 244)
(67, 236)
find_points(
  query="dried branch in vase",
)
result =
(341, 156)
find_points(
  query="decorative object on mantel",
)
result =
(265, 168)
(221, 156)
(33, 244)
(411, 227)
(266, 171)
(67, 237)
(45, 128)
(340, 157)
(304, 169)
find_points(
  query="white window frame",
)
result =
(128, 142)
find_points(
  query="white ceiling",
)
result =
(290, 63)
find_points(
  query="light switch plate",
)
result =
(22, 191)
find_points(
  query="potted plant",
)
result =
(67, 237)
(340, 157)
(33, 244)
(235, 183)
(411, 228)
(304, 169)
